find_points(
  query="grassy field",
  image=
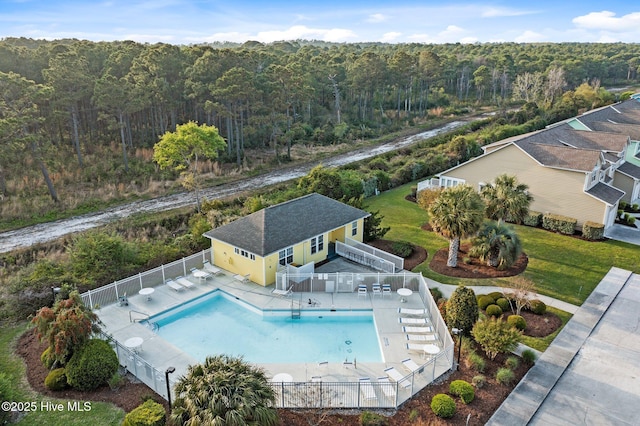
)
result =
(11, 365)
(562, 267)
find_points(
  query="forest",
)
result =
(79, 119)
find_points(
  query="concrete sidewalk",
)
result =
(589, 375)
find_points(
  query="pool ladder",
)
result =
(295, 310)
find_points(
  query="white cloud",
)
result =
(606, 20)
(376, 18)
(530, 37)
(304, 32)
(498, 12)
(390, 37)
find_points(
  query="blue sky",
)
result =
(400, 21)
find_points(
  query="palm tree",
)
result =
(456, 213)
(497, 244)
(224, 391)
(506, 199)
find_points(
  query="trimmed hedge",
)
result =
(484, 301)
(496, 295)
(517, 321)
(503, 302)
(149, 413)
(494, 310)
(563, 224)
(462, 389)
(593, 230)
(532, 218)
(537, 306)
(56, 379)
(443, 406)
(92, 365)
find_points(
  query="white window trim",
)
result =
(354, 228)
(285, 254)
(317, 244)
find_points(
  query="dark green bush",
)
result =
(367, 418)
(529, 356)
(504, 376)
(462, 309)
(563, 224)
(493, 310)
(443, 406)
(47, 358)
(503, 302)
(512, 362)
(495, 295)
(476, 361)
(436, 293)
(149, 413)
(517, 321)
(532, 218)
(56, 379)
(402, 248)
(593, 230)
(92, 365)
(538, 307)
(484, 301)
(462, 389)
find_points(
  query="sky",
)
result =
(266, 21)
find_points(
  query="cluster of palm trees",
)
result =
(459, 212)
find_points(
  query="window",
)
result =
(354, 228)
(447, 182)
(317, 244)
(244, 253)
(285, 256)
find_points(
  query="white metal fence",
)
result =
(428, 183)
(110, 293)
(345, 282)
(397, 261)
(362, 257)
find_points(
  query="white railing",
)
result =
(428, 183)
(364, 258)
(396, 260)
(345, 282)
(111, 293)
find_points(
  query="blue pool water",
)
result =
(218, 323)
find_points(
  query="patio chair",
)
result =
(242, 278)
(362, 290)
(375, 289)
(174, 285)
(404, 320)
(283, 293)
(422, 337)
(412, 366)
(388, 388)
(366, 388)
(123, 301)
(386, 289)
(397, 377)
(184, 282)
(416, 330)
(414, 312)
(428, 349)
(213, 269)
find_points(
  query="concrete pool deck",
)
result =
(121, 322)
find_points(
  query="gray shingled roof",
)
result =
(632, 130)
(283, 225)
(562, 157)
(606, 193)
(629, 170)
(627, 112)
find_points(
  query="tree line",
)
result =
(64, 101)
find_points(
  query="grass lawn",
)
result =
(562, 267)
(13, 367)
(542, 343)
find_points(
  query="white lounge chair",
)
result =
(424, 349)
(403, 320)
(422, 337)
(174, 285)
(416, 330)
(366, 388)
(213, 269)
(386, 289)
(411, 365)
(397, 377)
(388, 388)
(376, 289)
(184, 282)
(362, 290)
(242, 278)
(284, 293)
(409, 311)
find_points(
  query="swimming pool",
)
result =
(220, 323)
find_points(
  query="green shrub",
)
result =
(443, 406)
(56, 379)
(493, 310)
(593, 230)
(367, 418)
(484, 301)
(462, 309)
(47, 358)
(149, 413)
(92, 365)
(495, 295)
(495, 336)
(116, 381)
(532, 218)
(504, 304)
(538, 307)
(512, 362)
(479, 381)
(436, 293)
(517, 321)
(563, 224)
(476, 361)
(402, 248)
(529, 356)
(504, 376)
(462, 389)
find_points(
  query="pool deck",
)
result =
(121, 323)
